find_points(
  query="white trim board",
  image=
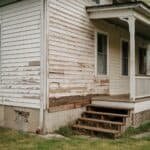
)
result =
(142, 106)
(114, 104)
(138, 107)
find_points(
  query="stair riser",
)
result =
(103, 117)
(101, 109)
(103, 120)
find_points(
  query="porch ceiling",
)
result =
(116, 12)
(6, 2)
(142, 29)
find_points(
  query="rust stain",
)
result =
(104, 82)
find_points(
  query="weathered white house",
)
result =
(58, 56)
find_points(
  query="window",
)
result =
(101, 54)
(142, 60)
(125, 55)
(97, 1)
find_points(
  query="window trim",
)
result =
(124, 40)
(96, 68)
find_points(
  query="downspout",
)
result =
(43, 68)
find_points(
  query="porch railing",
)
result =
(142, 86)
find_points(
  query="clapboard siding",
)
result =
(71, 48)
(20, 54)
(71, 60)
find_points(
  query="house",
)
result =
(59, 58)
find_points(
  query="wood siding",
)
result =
(71, 45)
(72, 48)
(20, 54)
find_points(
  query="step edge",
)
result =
(100, 129)
(105, 113)
(111, 107)
(102, 121)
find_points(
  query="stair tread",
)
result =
(101, 121)
(96, 129)
(106, 113)
(120, 108)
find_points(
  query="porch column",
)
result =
(148, 60)
(131, 22)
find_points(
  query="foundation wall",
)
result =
(56, 120)
(141, 117)
(19, 118)
(1, 115)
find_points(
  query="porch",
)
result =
(119, 98)
(135, 18)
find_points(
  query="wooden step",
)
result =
(110, 107)
(96, 129)
(101, 121)
(105, 114)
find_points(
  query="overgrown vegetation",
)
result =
(66, 131)
(145, 127)
(13, 140)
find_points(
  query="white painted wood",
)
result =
(137, 106)
(105, 2)
(131, 21)
(43, 71)
(142, 106)
(142, 86)
(20, 54)
(142, 18)
(71, 50)
(148, 59)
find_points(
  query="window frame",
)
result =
(96, 54)
(121, 59)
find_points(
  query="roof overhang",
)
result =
(139, 10)
(7, 2)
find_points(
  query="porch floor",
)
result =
(118, 98)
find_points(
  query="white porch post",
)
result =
(131, 22)
(148, 60)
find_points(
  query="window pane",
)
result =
(142, 61)
(101, 54)
(125, 49)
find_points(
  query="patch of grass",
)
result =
(66, 131)
(145, 127)
(13, 140)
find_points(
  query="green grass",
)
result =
(145, 127)
(66, 131)
(13, 140)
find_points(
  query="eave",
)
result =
(140, 10)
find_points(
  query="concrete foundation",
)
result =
(19, 118)
(1, 116)
(27, 120)
(55, 120)
(141, 117)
